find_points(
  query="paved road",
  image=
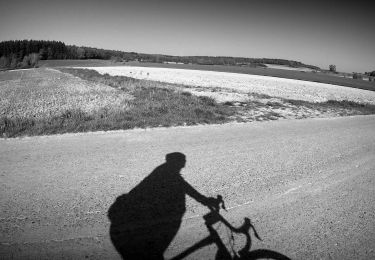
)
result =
(307, 185)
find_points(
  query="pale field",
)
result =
(46, 92)
(225, 86)
(283, 67)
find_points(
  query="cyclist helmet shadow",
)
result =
(145, 220)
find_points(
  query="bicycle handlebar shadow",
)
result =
(145, 220)
(222, 252)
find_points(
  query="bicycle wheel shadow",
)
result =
(229, 249)
(145, 220)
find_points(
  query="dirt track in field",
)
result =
(307, 186)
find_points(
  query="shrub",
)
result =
(357, 76)
(332, 68)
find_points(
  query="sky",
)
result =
(314, 32)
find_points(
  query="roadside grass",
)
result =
(41, 93)
(343, 107)
(10, 75)
(266, 108)
(152, 105)
(65, 104)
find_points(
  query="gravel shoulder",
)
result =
(307, 185)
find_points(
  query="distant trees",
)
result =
(26, 53)
(30, 60)
(34, 58)
(13, 53)
(357, 76)
(220, 60)
(332, 68)
(21, 48)
(25, 62)
(4, 62)
(80, 53)
(13, 62)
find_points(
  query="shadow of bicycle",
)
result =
(229, 252)
(145, 221)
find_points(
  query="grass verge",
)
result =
(153, 105)
(148, 104)
(344, 107)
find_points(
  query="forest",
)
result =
(27, 53)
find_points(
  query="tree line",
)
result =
(27, 53)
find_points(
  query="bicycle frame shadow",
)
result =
(214, 217)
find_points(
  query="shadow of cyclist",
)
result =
(145, 220)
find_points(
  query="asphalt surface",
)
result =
(308, 187)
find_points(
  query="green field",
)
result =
(75, 63)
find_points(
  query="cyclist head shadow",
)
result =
(145, 220)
